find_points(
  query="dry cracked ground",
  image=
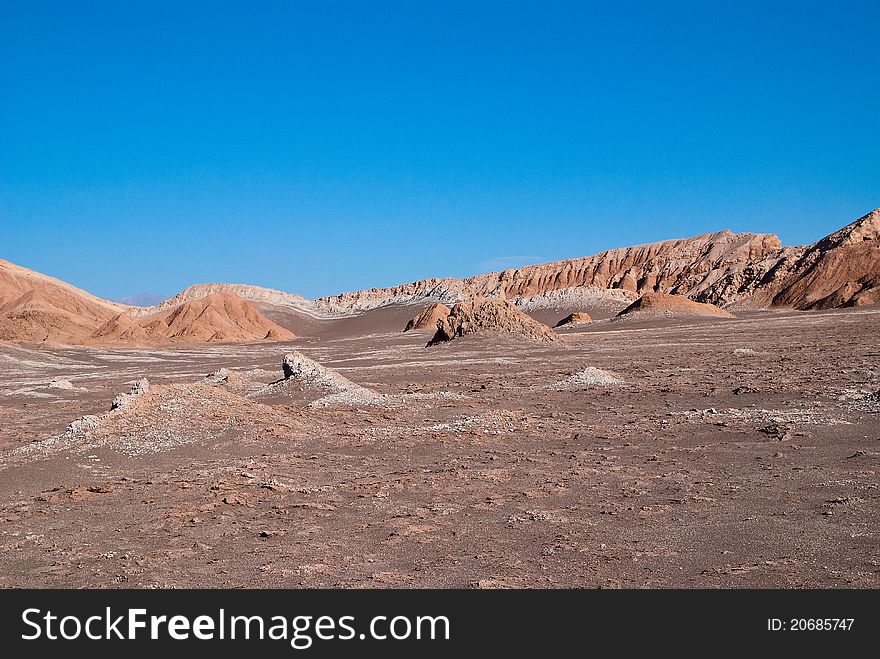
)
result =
(694, 453)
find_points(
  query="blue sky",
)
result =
(329, 146)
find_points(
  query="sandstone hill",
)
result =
(253, 294)
(37, 308)
(427, 319)
(220, 316)
(490, 315)
(121, 328)
(663, 304)
(577, 318)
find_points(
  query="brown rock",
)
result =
(676, 305)
(841, 270)
(428, 318)
(577, 318)
(490, 315)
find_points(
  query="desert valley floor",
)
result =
(705, 453)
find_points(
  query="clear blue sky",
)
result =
(328, 146)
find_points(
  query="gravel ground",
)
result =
(731, 453)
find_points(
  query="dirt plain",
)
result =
(718, 453)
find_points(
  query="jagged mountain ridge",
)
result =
(842, 269)
(616, 277)
(685, 266)
(724, 268)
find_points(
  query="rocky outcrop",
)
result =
(220, 376)
(662, 304)
(124, 400)
(326, 385)
(299, 368)
(490, 315)
(428, 318)
(577, 318)
(841, 270)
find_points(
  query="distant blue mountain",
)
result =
(143, 299)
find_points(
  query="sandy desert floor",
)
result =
(728, 453)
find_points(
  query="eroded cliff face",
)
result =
(724, 268)
(750, 270)
(841, 270)
(686, 267)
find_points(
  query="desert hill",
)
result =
(254, 294)
(221, 316)
(686, 266)
(663, 304)
(36, 308)
(121, 328)
(723, 268)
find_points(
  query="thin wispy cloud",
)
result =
(505, 262)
